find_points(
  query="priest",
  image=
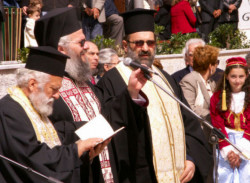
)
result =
(28, 136)
(162, 142)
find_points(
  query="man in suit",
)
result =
(93, 17)
(230, 12)
(188, 51)
(210, 13)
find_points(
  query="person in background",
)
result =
(210, 13)
(33, 15)
(92, 58)
(163, 18)
(113, 27)
(182, 17)
(197, 86)
(48, 5)
(93, 16)
(230, 13)
(188, 51)
(230, 113)
(38, 3)
(108, 58)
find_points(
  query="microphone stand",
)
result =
(28, 169)
(215, 131)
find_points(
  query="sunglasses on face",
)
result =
(82, 42)
(140, 43)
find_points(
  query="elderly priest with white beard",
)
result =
(28, 136)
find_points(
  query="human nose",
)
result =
(56, 95)
(145, 46)
(86, 46)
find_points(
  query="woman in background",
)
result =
(197, 86)
(182, 17)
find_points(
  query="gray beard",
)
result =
(42, 104)
(136, 58)
(77, 69)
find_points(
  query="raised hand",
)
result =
(136, 82)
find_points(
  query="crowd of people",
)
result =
(201, 16)
(67, 81)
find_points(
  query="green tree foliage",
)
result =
(226, 36)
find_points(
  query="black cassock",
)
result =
(133, 146)
(19, 142)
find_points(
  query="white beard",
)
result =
(42, 104)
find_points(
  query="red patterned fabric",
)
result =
(222, 119)
(84, 106)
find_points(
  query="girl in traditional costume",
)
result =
(230, 113)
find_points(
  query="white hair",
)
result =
(63, 41)
(24, 75)
(105, 55)
(189, 42)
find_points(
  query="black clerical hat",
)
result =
(46, 59)
(138, 20)
(55, 24)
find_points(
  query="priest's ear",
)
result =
(125, 45)
(61, 49)
(32, 85)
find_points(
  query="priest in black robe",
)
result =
(135, 148)
(79, 100)
(28, 136)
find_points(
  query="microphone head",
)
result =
(127, 61)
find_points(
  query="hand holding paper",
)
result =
(97, 128)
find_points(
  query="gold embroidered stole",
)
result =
(84, 106)
(44, 129)
(169, 149)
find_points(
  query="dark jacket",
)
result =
(178, 75)
(163, 18)
(233, 17)
(208, 7)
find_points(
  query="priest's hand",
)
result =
(188, 173)
(136, 82)
(87, 145)
(98, 149)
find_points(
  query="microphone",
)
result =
(129, 62)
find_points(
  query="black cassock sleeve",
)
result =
(19, 142)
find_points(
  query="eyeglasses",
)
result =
(140, 43)
(82, 42)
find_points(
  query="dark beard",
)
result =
(77, 69)
(137, 59)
